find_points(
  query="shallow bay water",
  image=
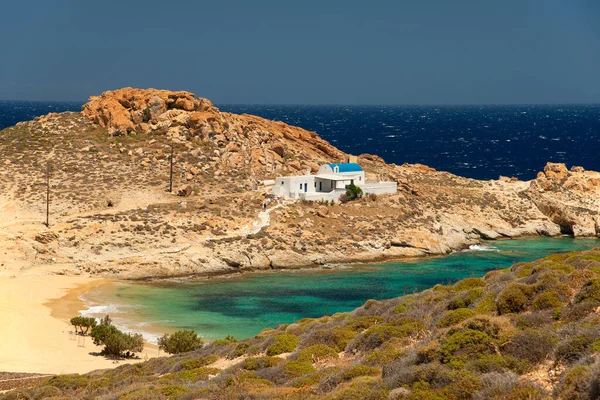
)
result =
(243, 305)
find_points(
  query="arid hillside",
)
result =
(111, 213)
(531, 331)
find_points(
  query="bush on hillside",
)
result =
(453, 317)
(284, 343)
(114, 341)
(180, 342)
(318, 352)
(530, 345)
(353, 192)
(512, 299)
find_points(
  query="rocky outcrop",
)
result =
(222, 162)
(569, 198)
(236, 141)
(129, 110)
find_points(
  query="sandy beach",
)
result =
(35, 335)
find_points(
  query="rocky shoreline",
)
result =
(111, 216)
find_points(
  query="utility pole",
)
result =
(171, 172)
(48, 194)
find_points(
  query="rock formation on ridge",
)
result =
(116, 151)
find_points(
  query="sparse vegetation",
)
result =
(481, 338)
(83, 324)
(180, 342)
(115, 342)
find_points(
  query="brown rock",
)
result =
(122, 111)
(323, 212)
(185, 191)
(278, 149)
(46, 237)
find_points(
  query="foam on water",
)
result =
(481, 247)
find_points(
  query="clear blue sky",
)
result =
(306, 52)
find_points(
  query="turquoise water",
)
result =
(244, 305)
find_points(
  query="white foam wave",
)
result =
(482, 247)
(94, 311)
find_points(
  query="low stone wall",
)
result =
(327, 196)
(379, 188)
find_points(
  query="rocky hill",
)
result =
(531, 331)
(112, 216)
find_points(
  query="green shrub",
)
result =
(361, 323)
(429, 352)
(340, 337)
(83, 323)
(495, 327)
(336, 338)
(173, 391)
(318, 352)
(464, 345)
(180, 342)
(146, 393)
(192, 375)
(47, 391)
(512, 299)
(114, 341)
(359, 370)
(298, 368)
(248, 377)
(574, 385)
(255, 363)
(68, 382)
(283, 343)
(362, 388)
(241, 349)
(497, 363)
(383, 356)
(353, 192)
(589, 292)
(574, 348)
(199, 362)
(487, 304)
(453, 317)
(309, 380)
(465, 299)
(376, 335)
(370, 303)
(225, 341)
(468, 283)
(546, 300)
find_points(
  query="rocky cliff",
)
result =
(111, 215)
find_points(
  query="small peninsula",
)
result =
(112, 217)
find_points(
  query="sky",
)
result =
(305, 52)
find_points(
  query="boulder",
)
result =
(185, 191)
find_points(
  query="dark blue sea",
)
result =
(480, 142)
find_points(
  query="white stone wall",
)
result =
(379, 188)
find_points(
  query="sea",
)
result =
(481, 142)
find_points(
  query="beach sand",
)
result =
(35, 335)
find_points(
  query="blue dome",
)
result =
(349, 167)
